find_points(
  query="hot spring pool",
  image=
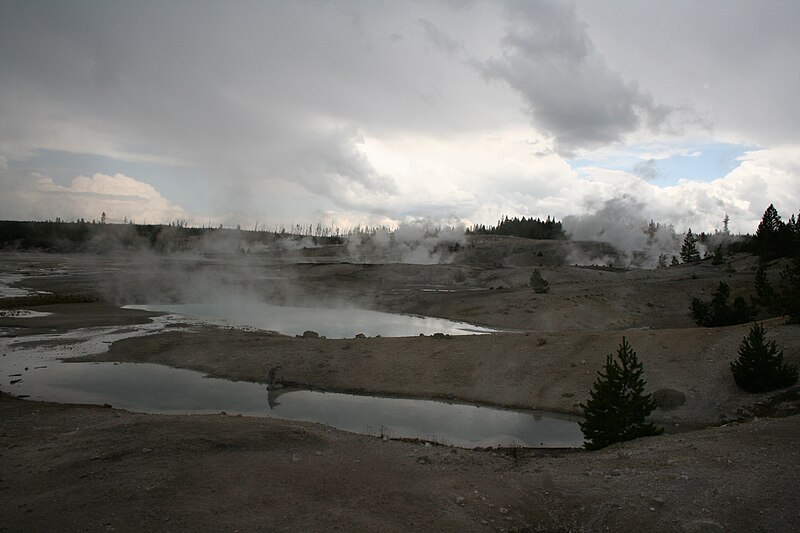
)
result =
(332, 323)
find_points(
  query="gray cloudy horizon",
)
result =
(357, 112)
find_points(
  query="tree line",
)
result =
(529, 228)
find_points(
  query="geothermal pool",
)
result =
(332, 323)
(31, 367)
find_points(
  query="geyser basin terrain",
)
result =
(337, 323)
(31, 368)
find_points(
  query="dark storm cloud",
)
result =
(571, 93)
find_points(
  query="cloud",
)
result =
(380, 112)
(121, 197)
(440, 39)
(728, 60)
(571, 93)
(762, 177)
(647, 170)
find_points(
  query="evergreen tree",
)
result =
(674, 261)
(771, 235)
(618, 406)
(662, 261)
(789, 299)
(719, 256)
(760, 366)
(718, 312)
(770, 224)
(538, 283)
(689, 252)
(765, 294)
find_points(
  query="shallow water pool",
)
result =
(32, 368)
(332, 323)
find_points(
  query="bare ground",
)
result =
(729, 461)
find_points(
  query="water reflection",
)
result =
(332, 323)
(32, 367)
(153, 388)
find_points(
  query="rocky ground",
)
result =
(728, 460)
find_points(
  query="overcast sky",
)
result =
(350, 112)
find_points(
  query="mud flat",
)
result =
(729, 460)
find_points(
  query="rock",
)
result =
(361, 336)
(503, 510)
(702, 526)
(667, 399)
(459, 500)
(540, 341)
(309, 334)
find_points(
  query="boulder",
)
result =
(667, 399)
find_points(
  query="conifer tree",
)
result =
(718, 312)
(689, 252)
(719, 256)
(538, 283)
(765, 294)
(789, 285)
(618, 406)
(760, 366)
(771, 235)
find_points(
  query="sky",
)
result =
(270, 113)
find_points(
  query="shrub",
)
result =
(538, 283)
(760, 366)
(618, 406)
(718, 312)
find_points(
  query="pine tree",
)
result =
(538, 283)
(662, 261)
(765, 294)
(718, 312)
(770, 224)
(618, 406)
(770, 234)
(719, 256)
(789, 299)
(760, 366)
(689, 252)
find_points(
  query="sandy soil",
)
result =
(728, 462)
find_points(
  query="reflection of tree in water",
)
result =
(272, 396)
(274, 389)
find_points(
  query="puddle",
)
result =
(35, 372)
(22, 313)
(331, 323)
(7, 291)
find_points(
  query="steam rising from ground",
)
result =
(228, 266)
(622, 222)
(419, 243)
